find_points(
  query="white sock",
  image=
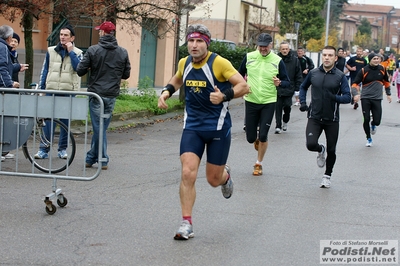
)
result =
(258, 162)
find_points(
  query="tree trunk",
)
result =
(27, 23)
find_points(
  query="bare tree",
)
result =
(27, 11)
(158, 17)
(262, 20)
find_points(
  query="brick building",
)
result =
(385, 22)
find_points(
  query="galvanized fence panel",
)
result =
(25, 115)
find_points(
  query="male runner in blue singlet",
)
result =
(210, 82)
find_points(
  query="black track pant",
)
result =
(369, 107)
(284, 104)
(313, 132)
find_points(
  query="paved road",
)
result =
(128, 215)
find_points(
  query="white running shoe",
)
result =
(326, 182)
(9, 156)
(227, 189)
(284, 126)
(185, 231)
(277, 130)
(321, 157)
(369, 142)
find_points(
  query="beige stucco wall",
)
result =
(164, 68)
(225, 18)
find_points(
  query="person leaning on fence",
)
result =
(7, 68)
(14, 58)
(6, 63)
(108, 64)
(210, 82)
(59, 73)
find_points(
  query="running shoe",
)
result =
(373, 129)
(326, 182)
(297, 103)
(256, 143)
(3, 158)
(62, 154)
(41, 155)
(185, 231)
(9, 156)
(227, 189)
(103, 167)
(369, 142)
(355, 106)
(321, 157)
(257, 169)
(277, 130)
(284, 126)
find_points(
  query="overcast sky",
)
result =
(395, 3)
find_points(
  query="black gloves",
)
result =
(303, 107)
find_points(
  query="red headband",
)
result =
(199, 35)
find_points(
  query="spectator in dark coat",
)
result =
(6, 64)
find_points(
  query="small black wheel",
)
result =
(62, 202)
(52, 211)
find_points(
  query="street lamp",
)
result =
(296, 27)
(327, 22)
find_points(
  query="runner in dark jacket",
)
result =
(285, 94)
(329, 89)
(306, 64)
(373, 77)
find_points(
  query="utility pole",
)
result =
(296, 27)
(328, 13)
(178, 33)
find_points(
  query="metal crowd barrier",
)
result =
(30, 120)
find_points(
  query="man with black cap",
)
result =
(6, 65)
(265, 71)
(373, 77)
(108, 64)
(59, 73)
(14, 57)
